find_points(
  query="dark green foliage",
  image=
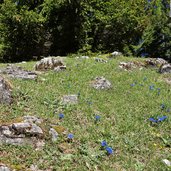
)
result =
(21, 31)
(133, 27)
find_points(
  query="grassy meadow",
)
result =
(124, 124)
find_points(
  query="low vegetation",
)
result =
(119, 115)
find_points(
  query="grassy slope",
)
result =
(124, 124)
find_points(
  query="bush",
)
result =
(22, 32)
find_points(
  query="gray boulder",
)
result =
(17, 72)
(155, 62)
(54, 134)
(48, 63)
(101, 83)
(115, 54)
(4, 168)
(166, 68)
(5, 91)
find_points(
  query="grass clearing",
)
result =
(124, 110)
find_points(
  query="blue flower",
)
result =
(70, 136)
(162, 118)
(132, 85)
(61, 116)
(159, 119)
(97, 117)
(109, 150)
(151, 87)
(103, 143)
(153, 120)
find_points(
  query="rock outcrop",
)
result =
(5, 91)
(49, 63)
(17, 72)
(101, 83)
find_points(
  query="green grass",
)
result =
(124, 123)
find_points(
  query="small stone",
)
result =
(54, 134)
(70, 99)
(101, 83)
(115, 54)
(167, 162)
(4, 168)
(21, 127)
(100, 60)
(5, 91)
(84, 57)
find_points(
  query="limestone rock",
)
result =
(115, 54)
(17, 72)
(101, 83)
(131, 65)
(166, 68)
(100, 60)
(167, 162)
(54, 134)
(70, 99)
(32, 119)
(59, 68)
(35, 131)
(84, 57)
(4, 168)
(155, 62)
(20, 134)
(48, 64)
(21, 127)
(5, 91)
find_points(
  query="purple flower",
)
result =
(103, 143)
(132, 85)
(61, 116)
(109, 150)
(70, 136)
(153, 120)
(159, 119)
(151, 87)
(162, 118)
(97, 117)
